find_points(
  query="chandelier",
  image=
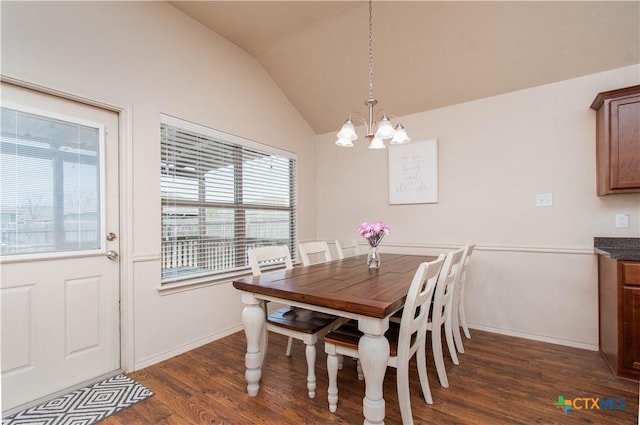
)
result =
(377, 131)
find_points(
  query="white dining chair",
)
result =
(406, 339)
(457, 311)
(346, 246)
(318, 250)
(442, 304)
(296, 323)
(269, 256)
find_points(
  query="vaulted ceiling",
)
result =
(426, 54)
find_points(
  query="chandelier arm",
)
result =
(381, 113)
(361, 120)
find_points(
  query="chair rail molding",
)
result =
(498, 248)
(145, 257)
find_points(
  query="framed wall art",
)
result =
(413, 172)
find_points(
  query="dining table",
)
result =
(347, 288)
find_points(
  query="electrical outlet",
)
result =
(622, 220)
(544, 200)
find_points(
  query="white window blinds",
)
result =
(50, 184)
(221, 195)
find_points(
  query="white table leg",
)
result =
(310, 352)
(253, 319)
(373, 350)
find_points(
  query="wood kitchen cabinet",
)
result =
(618, 140)
(631, 328)
(619, 310)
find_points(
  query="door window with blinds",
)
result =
(50, 170)
(221, 194)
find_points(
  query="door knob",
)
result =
(111, 236)
(112, 255)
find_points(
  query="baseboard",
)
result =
(226, 332)
(149, 361)
(541, 338)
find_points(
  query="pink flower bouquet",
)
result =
(373, 232)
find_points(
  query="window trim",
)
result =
(228, 137)
(101, 162)
(178, 284)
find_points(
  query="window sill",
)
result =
(199, 283)
(203, 282)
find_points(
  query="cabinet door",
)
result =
(631, 328)
(625, 143)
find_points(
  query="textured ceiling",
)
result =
(427, 54)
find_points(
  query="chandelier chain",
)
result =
(377, 130)
(370, 50)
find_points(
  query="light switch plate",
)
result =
(544, 200)
(622, 220)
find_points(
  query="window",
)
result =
(50, 179)
(221, 195)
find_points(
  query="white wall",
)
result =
(534, 273)
(149, 57)
(495, 155)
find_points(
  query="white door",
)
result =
(59, 225)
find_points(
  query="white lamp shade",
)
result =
(376, 143)
(345, 143)
(400, 135)
(385, 128)
(347, 131)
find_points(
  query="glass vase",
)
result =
(373, 259)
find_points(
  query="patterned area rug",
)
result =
(85, 406)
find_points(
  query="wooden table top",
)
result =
(347, 285)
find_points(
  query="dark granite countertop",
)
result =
(618, 248)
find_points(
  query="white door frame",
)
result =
(125, 175)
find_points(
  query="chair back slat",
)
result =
(468, 250)
(413, 325)
(445, 286)
(456, 315)
(316, 249)
(266, 256)
(346, 248)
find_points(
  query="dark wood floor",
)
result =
(500, 380)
